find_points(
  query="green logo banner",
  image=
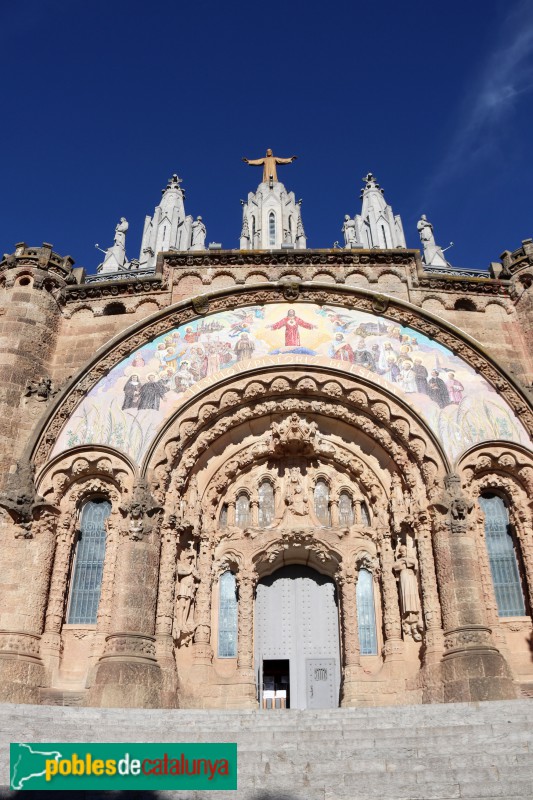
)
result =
(122, 766)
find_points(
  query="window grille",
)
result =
(366, 615)
(321, 497)
(502, 558)
(227, 617)
(266, 504)
(89, 563)
(242, 511)
(346, 515)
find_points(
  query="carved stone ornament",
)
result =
(21, 501)
(41, 389)
(293, 436)
(139, 512)
(291, 290)
(200, 304)
(455, 504)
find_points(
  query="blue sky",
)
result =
(103, 101)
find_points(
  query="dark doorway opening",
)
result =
(276, 684)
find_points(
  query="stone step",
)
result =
(414, 752)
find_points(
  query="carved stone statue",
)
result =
(115, 257)
(433, 254)
(349, 231)
(425, 229)
(188, 576)
(198, 234)
(405, 569)
(120, 233)
(299, 508)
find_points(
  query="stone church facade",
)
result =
(272, 475)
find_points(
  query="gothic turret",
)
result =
(271, 217)
(170, 228)
(377, 226)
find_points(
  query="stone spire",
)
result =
(377, 226)
(272, 219)
(170, 228)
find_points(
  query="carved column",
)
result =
(254, 505)
(357, 512)
(51, 639)
(128, 674)
(524, 531)
(472, 667)
(104, 614)
(165, 614)
(393, 648)
(433, 635)
(231, 513)
(351, 668)
(202, 650)
(246, 581)
(334, 510)
(25, 545)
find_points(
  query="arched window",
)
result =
(383, 231)
(322, 502)
(89, 563)
(272, 228)
(502, 557)
(242, 511)
(253, 229)
(227, 617)
(365, 516)
(346, 515)
(266, 504)
(366, 615)
(223, 518)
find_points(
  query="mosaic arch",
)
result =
(127, 407)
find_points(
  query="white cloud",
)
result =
(506, 75)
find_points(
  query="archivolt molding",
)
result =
(81, 466)
(193, 431)
(233, 297)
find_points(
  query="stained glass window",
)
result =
(227, 617)
(366, 615)
(266, 504)
(346, 516)
(502, 557)
(271, 228)
(89, 563)
(242, 511)
(322, 502)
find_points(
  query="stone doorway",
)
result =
(297, 621)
